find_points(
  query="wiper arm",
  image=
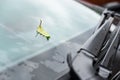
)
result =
(102, 45)
(95, 42)
(106, 63)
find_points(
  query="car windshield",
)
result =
(19, 19)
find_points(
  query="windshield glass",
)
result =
(19, 19)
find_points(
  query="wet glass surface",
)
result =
(19, 19)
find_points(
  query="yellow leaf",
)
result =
(42, 32)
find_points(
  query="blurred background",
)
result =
(113, 5)
(102, 2)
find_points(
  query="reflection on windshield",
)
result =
(63, 19)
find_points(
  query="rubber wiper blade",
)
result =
(112, 49)
(106, 63)
(95, 42)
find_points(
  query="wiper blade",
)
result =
(111, 52)
(95, 42)
(102, 46)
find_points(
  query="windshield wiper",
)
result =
(100, 49)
